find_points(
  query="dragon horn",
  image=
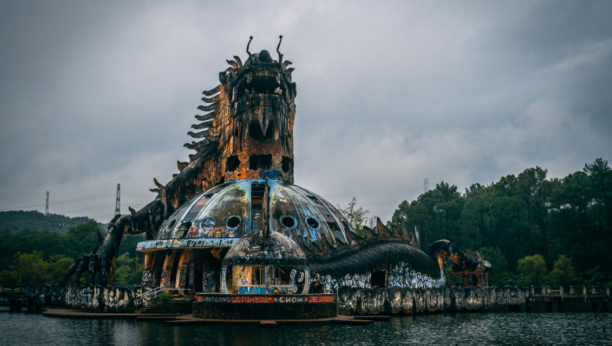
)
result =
(280, 56)
(248, 44)
(157, 183)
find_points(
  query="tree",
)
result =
(498, 275)
(601, 175)
(356, 216)
(476, 215)
(57, 267)
(532, 270)
(129, 270)
(563, 272)
(9, 278)
(31, 268)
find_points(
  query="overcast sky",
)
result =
(389, 93)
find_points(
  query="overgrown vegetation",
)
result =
(355, 215)
(40, 257)
(17, 220)
(532, 229)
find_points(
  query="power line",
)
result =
(138, 193)
(61, 202)
(118, 203)
(369, 193)
(88, 208)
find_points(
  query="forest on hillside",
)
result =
(532, 229)
(34, 256)
(17, 220)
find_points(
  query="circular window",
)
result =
(170, 225)
(288, 221)
(232, 221)
(312, 223)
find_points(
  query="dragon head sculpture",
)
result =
(249, 121)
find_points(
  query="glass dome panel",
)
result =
(227, 204)
(285, 200)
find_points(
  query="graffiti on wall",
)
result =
(351, 300)
(89, 297)
(363, 301)
(402, 275)
(147, 277)
(185, 243)
(191, 277)
(223, 285)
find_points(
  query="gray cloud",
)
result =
(95, 94)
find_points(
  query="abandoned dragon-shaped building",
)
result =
(233, 221)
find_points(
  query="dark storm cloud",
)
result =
(94, 94)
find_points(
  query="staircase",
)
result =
(147, 299)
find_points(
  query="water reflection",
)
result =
(439, 329)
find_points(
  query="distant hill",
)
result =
(18, 220)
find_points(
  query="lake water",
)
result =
(436, 329)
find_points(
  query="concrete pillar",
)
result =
(149, 262)
(168, 262)
(571, 289)
(183, 269)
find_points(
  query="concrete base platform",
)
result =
(264, 307)
(342, 319)
(155, 318)
(78, 314)
(183, 320)
(376, 318)
(66, 313)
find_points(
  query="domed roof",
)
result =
(233, 209)
(256, 248)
